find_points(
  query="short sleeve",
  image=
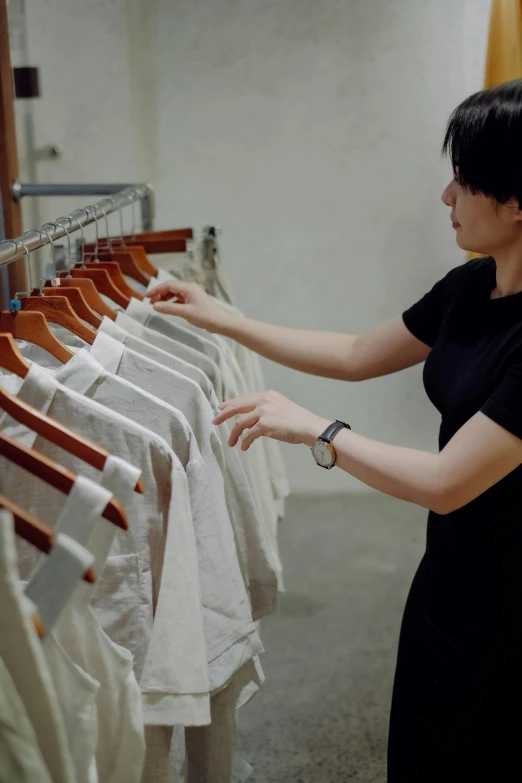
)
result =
(505, 404)
(424, 318)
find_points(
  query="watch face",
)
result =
(322, 454)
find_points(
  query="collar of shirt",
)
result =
(158, 355)
(172, 327)
(175, 348)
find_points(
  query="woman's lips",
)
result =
(454, 224)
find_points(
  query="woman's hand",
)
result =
(191, 302)
(272, 415)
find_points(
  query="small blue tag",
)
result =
(16, 304)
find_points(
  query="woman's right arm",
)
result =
(387, 348)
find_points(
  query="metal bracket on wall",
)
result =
(148, 206)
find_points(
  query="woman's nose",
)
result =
(448, 195)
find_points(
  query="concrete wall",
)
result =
(308, 129)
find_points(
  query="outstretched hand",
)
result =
(272, 415)
(189, 301)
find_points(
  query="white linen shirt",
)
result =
(148, 597)
(167, 359)
(172, 387)
(230, 635)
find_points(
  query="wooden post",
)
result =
(12, 212)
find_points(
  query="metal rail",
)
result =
(10, 250)
(22, 190)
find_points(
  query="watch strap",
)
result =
(331, 431)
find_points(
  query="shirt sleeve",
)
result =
(504, 406)
(424, 318)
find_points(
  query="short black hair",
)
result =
(484, 142)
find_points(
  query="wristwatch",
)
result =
(323, 450)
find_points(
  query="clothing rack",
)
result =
(13, 249)
(37, 190)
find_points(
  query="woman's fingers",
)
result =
(165, 291)
(255, 432)
(245, 422)
(236, 406)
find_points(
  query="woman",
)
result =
(457, 699)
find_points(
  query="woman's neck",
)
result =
(509, 274)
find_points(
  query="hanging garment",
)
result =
(250, 366)
(121, 747)
(76, 692)
(170, 386)
(260, 566)
(158, 355)
(231, 638)
(150, 566)
(176, 348)
(176, 329)
(254, 461)
(50, 588)
(20, 757)
(22, 654)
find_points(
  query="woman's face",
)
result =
(481, 223)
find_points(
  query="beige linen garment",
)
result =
(250, 366)
(148, 597)
(185, 394)
(230, 635)
(178, 329)
(20, 757)
(254, 461)
(175, 348)
(50, 587)
(158, 355)
(120, 749)
(22, 654)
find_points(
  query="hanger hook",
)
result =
(120, 211)
(109, 246)
(53, 252)
(132, 202)
(71, 218)
(92, 210)
(58, 223)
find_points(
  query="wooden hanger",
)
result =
(91, 294)
(114, 271)
(77, 301)
(10, 357)
(35, 532)
(58, 310)
(142, 259)
(55, 432)
(103, 282)
(127, 259)
(156, 245)
(33, 327)
(54, 474)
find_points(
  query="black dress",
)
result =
(457, 699)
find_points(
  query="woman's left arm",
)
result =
(479, 455)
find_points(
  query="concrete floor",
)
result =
(322, 715)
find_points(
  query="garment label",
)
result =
(242, 770)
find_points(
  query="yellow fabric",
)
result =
(504, 57)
